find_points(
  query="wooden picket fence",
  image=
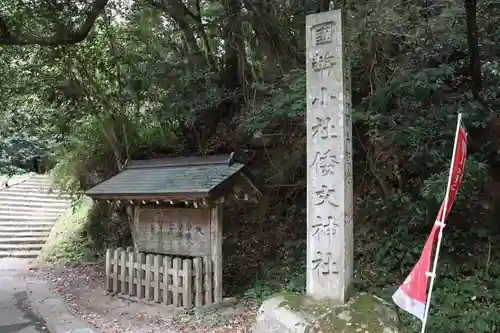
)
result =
(159, 278)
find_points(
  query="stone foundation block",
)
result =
(293, 313)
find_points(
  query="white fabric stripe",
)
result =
(409, 304)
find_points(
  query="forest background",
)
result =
(87, 85)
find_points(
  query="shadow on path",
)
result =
(31, 322)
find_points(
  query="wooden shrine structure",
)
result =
(175, 208)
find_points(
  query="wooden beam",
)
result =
(216, 243)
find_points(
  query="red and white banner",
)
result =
(411, 296)
(457, 171)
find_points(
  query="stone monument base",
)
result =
(294, 313)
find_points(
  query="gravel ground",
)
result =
(83, 289)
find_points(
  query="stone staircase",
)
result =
(28, 211)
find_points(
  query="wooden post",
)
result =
(216, 242)
(175, 281)
(187, 272)
(116, 263)
(109, 258)
(156, 286)
(133, 219)
(140, 261)
(149, 259)
(167, 265)
(123, 271)
(131, 273)
(207, 269)
(198, 282)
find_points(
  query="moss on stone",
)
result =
(363, 313)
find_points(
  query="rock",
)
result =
(301, 314)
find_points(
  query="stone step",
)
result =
(4, 196)
(32, 192)
(25, 224)
(22, 233)
(31, 181)
(32, 185)
(32, 197)
(22, 240)
(41, 176)
(29, 188)
(30, 212)
(15, 193)
(26, 228)
(37, 179)
(20, 247)
(19, 254)
(34, 209)
(18, 221)
(60, 204)
(29, 217)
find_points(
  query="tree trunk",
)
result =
(323, 6)
(180, 14)
(472, 39)
(275, 49)
(234, 61)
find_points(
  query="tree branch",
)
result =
(73, 37)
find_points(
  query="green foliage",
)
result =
(72, 250)
(67, 242)
(283, 100)
(159, 81)
(286, 275)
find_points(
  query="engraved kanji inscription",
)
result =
(325, 194)
(323, 98)
(348, 155)
(323, 33)
(348, 218)
(321, 62)
(324, 264)
(325, 162)
(189, 238)
(171, 227)
(325, 227)
(347, 86)
(347, 116)
(347, 104)
(324, 128)
(188, 235)
(174, 231)
(348, 177)
(348, 133)
(180, 230)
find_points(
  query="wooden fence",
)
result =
(159, 278)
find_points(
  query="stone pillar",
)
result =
(329, 159)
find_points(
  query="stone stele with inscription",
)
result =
(174, 231)
(327, 308)
(329, 158)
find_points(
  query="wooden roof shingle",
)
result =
(192, 177)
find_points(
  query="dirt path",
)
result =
(82, 288)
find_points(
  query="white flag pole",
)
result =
(441, 223)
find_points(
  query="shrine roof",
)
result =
(180, 177)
